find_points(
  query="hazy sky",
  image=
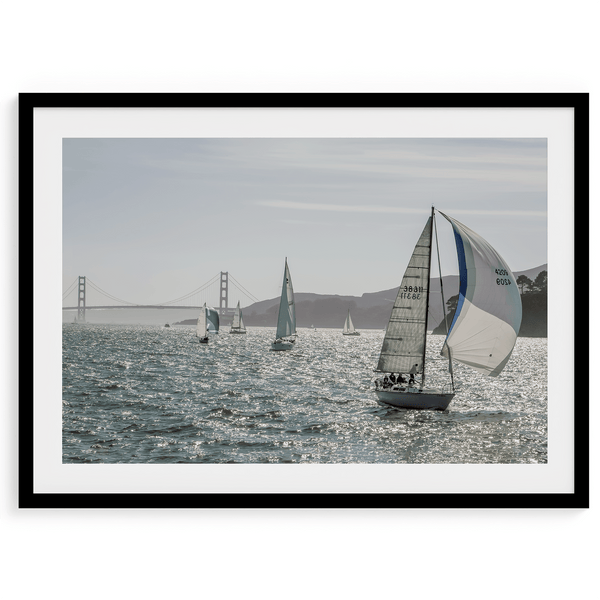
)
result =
(149, 220)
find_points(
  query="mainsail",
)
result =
(201, 326)
(286, 321)
(403, 348)
(488, 316)
(238, 321)
(348, 325)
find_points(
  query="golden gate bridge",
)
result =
(83, 294)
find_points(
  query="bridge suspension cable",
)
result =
(196, 291)
(71, 288)
(101, 291)
(203, 288)
(242, 289)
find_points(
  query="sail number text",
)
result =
(502, 280)
(411, 292)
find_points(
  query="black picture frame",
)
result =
(578, 499)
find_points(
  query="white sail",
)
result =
(286, 321)
(212, 320)
(403, 346)
(238, 322)
(235, 324)
(201, 326)
(348, 325)
(488, 316)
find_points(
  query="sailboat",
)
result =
(201, 327)
(349, 326)
(237, 326)
(482, 334)
(285, 336)
(212, 319)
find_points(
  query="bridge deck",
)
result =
(146, 306)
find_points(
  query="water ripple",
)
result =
(144, 395)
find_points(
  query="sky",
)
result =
(150, 220)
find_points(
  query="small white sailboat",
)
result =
(482, 334)
(201, 327)
(237, 325)
(349, 326)
(285, 336)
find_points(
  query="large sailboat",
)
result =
(285, 336)
(237, 326)
(201, 326)
(482, 334)
(349, 326)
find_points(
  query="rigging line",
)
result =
(251, 296)
(437, 245)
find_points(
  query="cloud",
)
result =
(374, 209)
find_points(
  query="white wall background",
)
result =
(380, 46)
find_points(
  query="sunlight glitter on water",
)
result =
(147, 394)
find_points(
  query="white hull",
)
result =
(355, 333)
(237, 331)
(427, 399)
(282, 345)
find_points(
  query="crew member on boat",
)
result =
(412, 374)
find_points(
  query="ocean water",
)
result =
(149, 394)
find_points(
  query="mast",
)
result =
(437, 245)
(427, 304)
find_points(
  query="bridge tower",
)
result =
(81, 301)
(224, 293)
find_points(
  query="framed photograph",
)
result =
(400, 269)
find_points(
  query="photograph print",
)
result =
(291, 300)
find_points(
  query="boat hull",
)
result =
(355, 333)
(282, 346)
(237, 331)
(415, 398)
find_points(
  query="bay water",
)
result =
(152, 394)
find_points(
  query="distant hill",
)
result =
(535, 315)
(369, 311)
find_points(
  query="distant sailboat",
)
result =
(285, 336)
(237, 326)
(483, 332)
(212, 319)
(201, 327)
(349, 326)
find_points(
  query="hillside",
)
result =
(372, 309)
